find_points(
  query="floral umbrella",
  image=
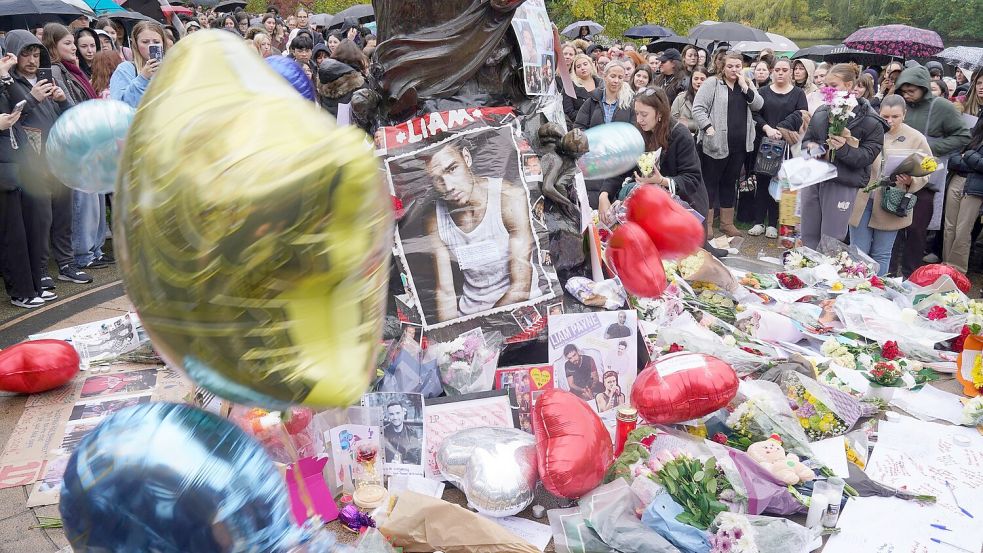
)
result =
(896, 40)
(967, 57)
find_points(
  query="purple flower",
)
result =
(829, 94)
(807, 410)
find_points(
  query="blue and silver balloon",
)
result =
(85, 144)
(614, 150)
(290, 69)
(172, 478)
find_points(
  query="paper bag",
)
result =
(420, 523)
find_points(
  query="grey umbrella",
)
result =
(573, 30)
(967, 57)
(360, 12)
(230, 5)
(727, 32)
(649, 31)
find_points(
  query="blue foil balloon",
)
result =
(289, 69)
(85, 144)
(614, 150)
(168, 478)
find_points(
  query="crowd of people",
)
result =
(47, 70)
(712, 114)
(737, 111)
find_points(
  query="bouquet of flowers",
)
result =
(467, 364)
(916, 164)
(695, 485)
(823, 412)
(888, 374)
(973, 412)
(762, 409)
(839, 353)
(739, 533)
(801, 259)
(841, 104)
(648, 161)
(789, 281)
(759, 281)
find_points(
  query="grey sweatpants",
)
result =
(826, 210)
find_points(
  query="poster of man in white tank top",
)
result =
(468, 244)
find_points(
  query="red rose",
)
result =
(649, 440)
(876, 282)
(720, 438)
(936, 313)
(674, 347)
(397, 206)
(890, 350)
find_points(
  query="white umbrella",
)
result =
(573, 30)
(782, 44)
(80, 4)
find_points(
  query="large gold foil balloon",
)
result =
(254, 231)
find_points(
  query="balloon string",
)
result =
(305, 496)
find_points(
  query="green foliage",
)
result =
(288, 7)
(953, 19)
(695, 486)
(619, 15)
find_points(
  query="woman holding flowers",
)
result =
(854, 136)
(872, 228)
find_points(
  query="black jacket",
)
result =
(852, 164)
(11, 142)
(673, 85)
(571, 106)
(39, 115)
(681, 163)
(969, 164)
(338, 82)
(591, 114)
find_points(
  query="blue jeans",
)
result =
(875, 243)
(88, 226)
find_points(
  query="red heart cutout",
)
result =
(683, 386)
(637, 261)
(573, 448)
(37, 366)
(676, 232)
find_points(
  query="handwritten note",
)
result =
(537, 534)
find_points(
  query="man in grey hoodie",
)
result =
(45, 102)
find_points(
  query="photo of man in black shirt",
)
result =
(581, 370)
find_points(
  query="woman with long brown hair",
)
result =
(679, 166)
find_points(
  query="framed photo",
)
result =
(400, 418)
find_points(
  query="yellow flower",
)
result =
(805, 423)
(978, 372)
(837, 286)
(824, 425)
(929, 164)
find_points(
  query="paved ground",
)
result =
(103, 299)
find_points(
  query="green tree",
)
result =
(618, 15)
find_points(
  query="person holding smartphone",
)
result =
(131, 78)
(35, 82)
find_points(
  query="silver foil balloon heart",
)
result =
(494, 467)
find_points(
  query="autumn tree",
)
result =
(618, 15)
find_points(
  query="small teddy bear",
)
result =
(786, 467)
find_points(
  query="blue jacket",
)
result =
(127, 85)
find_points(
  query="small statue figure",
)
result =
(558, 157)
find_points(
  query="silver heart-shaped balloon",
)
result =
(494, 467)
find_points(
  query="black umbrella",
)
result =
(814, 53)
(649, 31)
(363, 13)
(677, 42)
(24, 14)
(727, 32)
(230, 5)
(150, 8)
(843, 54)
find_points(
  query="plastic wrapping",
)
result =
(267, 428)
(608, 511)
(881, 320)
(412, 370)
(833, 248)
(768, 534)
(608, 294)
(823, 412)
(571, 534)
(761, 409)
(660, 516)
(798, 172)
(372, 541)
(467, 365)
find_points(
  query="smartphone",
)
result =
(19, 107)
(156, 51)
(44, 74)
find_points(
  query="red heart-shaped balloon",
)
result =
(926, 275)
(683, 386)
(676, 232)
(637, 261)
(37, 366)
(573, 448)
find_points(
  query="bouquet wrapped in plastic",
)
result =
(700, 269)
(762, 409)
(287, 437)
(467, 364)
(822, 411)
(916, 164)
(737, 533)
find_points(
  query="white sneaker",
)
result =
(48, 296)
(772, 232)
(27, 303)
(757, 230)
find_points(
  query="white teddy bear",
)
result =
(786, 467)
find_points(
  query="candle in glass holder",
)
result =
(627, 421)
